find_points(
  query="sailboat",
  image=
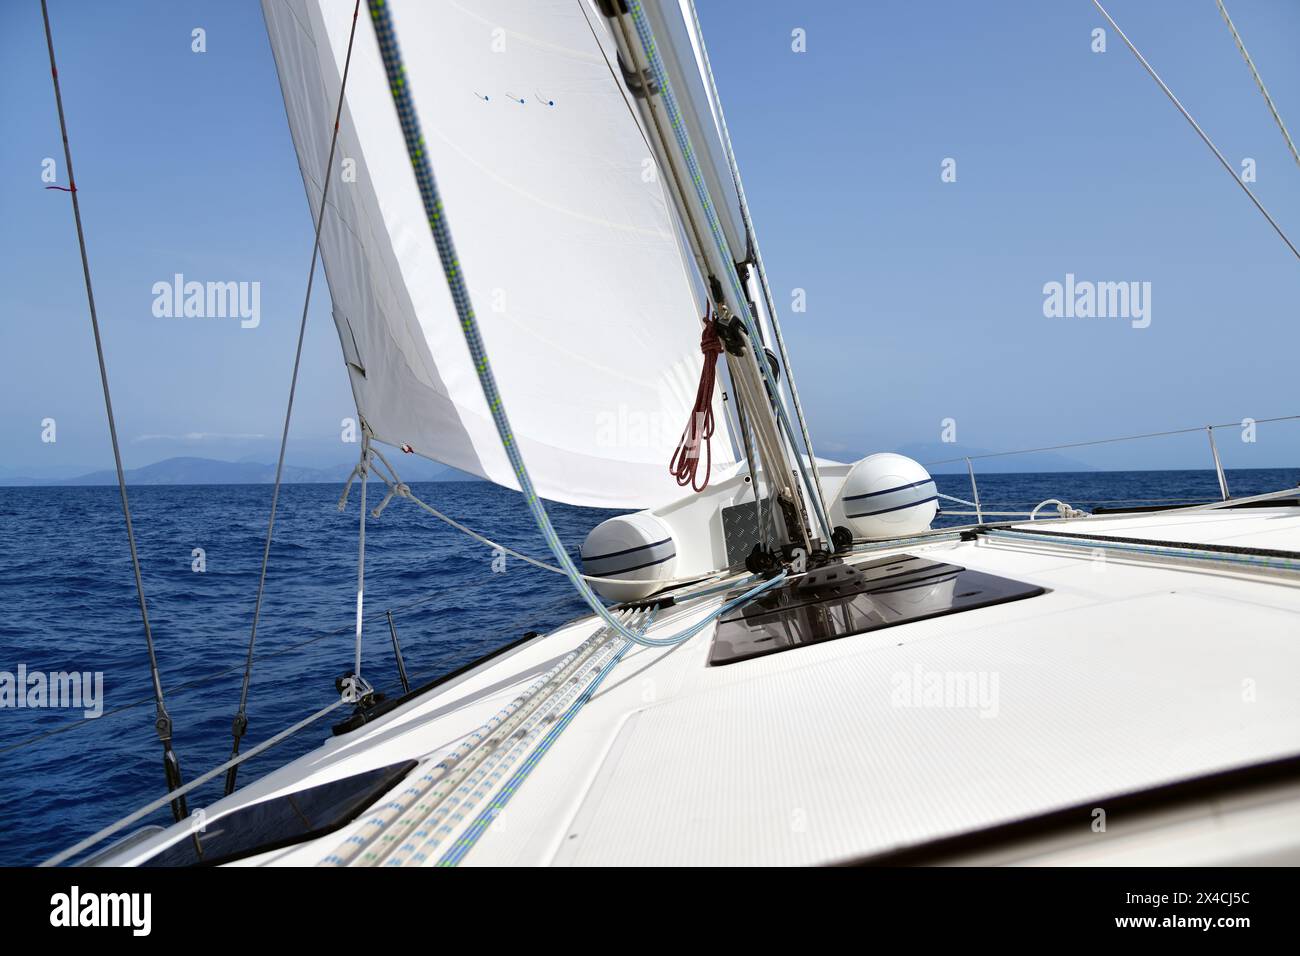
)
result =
(544, 273)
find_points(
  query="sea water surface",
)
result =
(69, 605)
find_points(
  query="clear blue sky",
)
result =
(924, 298)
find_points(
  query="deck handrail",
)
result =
(1107, 441)
(1208, 429)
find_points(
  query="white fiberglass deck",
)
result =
(1126, 675)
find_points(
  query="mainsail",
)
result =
(588, 305)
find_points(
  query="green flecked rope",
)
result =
(415, 146)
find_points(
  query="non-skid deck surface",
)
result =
(1122, 677)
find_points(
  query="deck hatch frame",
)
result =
(888, 592)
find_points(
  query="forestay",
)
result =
(568, 243)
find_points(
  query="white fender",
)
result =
(887, 495)
(638, 546)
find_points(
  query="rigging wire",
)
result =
(176, 690)
(364, 469)
(1196, 126)
(179, 793)
(163, 721)
(1277, 117)
(207, 679)
(397, 487)
(240, 723)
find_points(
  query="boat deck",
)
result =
(1131, 672)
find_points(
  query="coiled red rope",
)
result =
(699, 430)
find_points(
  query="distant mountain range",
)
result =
(209, 471)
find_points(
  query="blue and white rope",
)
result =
(388, 826)
(465, 842)
(417, 150)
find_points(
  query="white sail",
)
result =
(566, 238)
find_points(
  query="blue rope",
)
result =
(417, 150)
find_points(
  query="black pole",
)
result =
(397, 651)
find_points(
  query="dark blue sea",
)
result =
(69, 604)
